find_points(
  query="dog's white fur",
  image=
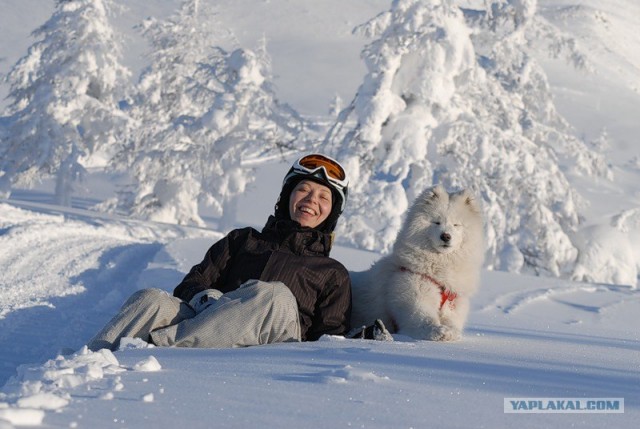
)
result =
(407, 300)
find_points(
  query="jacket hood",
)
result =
(301, 239)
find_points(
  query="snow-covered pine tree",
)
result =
(202, 112)
(245, 122)
(435, 108)
(161, 155)
(64, 99)
(502, 39)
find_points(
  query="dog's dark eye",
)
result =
(457, 224)
(436, 223)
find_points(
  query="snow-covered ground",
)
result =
(66, 271)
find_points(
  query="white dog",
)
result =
(422, 288)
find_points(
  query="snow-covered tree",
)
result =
(458, 101)
(246, 121)
(170, 95)
(65, 97)
(172, 89)
(203, 111)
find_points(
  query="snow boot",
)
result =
(377, 332)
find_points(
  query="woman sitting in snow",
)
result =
(278, 285)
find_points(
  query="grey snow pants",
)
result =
(255, 313)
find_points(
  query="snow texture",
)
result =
(532, 104)
(461, 102)
(456, 93)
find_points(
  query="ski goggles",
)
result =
(325, 168)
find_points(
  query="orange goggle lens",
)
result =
(332, 168)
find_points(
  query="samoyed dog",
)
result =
(422, 288)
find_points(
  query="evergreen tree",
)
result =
(443, 102)
(171, 94)
(64, 99)
(245, 122)
(202, 112)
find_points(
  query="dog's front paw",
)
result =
(443, 333)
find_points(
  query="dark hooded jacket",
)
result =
(284, 251)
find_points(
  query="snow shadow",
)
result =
(65, 323)
(509, 370)
(582, 340)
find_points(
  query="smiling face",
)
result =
(310, 203)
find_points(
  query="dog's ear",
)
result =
(470, 200)
(435, 193)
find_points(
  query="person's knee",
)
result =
(275, 292)
(282, 294)
(150, 296)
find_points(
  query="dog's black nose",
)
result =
(445, 237)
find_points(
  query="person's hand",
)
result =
(204, 299)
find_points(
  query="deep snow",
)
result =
(66, 271)
(526, 337)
